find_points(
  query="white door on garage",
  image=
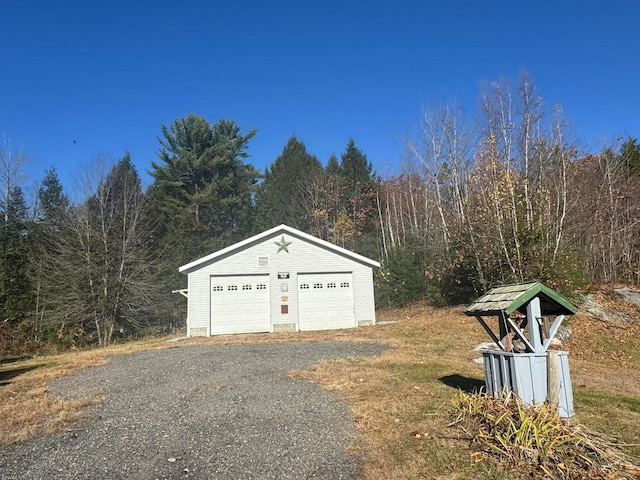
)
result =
(239, 304)
(325, 301)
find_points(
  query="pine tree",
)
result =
(52, 201)
(288, 193)
(630, 156)
(358, 202)
(15, 288)
(202, 188)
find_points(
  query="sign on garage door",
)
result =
(325, 301)
(239, 304)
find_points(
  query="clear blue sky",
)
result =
(108, 74)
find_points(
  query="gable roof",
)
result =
(281, 229)
(509, 298)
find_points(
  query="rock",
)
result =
(629, 295)
(563, 334)
(594, 309)
(485, 346)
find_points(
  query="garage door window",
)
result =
(317, 285)
(217, 288)
(261, 286)
(232, 287)
(304, 286)
(246, 287)
(331, 285)
(344, 285)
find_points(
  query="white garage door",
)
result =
(240, 304)
(325, 301)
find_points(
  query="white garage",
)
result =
(280, 280)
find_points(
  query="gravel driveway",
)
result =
(206, 412)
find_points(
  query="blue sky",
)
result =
(108, 74)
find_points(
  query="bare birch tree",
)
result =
(104, 266)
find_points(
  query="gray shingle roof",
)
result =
(509, 298)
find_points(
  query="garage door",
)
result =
(240, 304)
(325, 301)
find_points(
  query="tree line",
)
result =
(505, 196)
(508, 197)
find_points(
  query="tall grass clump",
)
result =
(532, 441)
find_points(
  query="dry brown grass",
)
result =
(401, 400)
(534, 442)
(26, 407)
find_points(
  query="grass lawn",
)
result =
(401, 401)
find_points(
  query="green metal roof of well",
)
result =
(509, 298)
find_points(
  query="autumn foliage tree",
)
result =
(489, 201)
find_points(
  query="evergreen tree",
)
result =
(356, 171)
(333, 166)
(355, 224)
(44, 233)
(202, 188)
(630, 156)
(52, 201)
(333, 184)
(15, 287)
(288, 193)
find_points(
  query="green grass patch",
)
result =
(419, 373)
(599, 400)
(613, 414)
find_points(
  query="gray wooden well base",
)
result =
(526, 374)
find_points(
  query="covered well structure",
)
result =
(528, 318)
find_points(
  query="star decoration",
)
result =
(283, 245)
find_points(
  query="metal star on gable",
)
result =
(282, 245)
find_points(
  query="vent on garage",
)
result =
(263, 261)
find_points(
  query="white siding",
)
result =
(302, 257)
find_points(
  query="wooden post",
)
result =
(533, 314)
(553, 378)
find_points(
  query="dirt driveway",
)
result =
(206, 412)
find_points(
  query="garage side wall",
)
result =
(261, 258)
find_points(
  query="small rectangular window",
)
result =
(304, 286)
(263, 261)
(344, 285)
(246, 287)
(261, 286)
(331, 285)
(232, 288)
(217, 288)
(317, 285)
